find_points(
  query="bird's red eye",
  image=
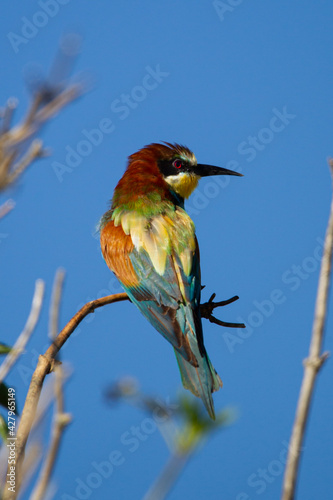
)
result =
(177, 164)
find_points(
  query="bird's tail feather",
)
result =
(201, 380)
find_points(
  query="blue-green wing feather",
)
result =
(174, 310)
(160, 300)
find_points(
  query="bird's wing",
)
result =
(158, 264)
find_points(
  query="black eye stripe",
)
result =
(172, 166)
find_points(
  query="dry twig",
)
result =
(60, 422)
(6, 207)
(30, 325)
(312, 364)
(60, 419)
(17, 147)
(46, 364)
(164, 483)
(55, 304)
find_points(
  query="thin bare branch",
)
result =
(44, 366)
(311, 365)
(34, 449)
(30, 325)
(35, 151)
(6, 207)
(7, 114)
(7, 158)
(14, 142)
(39, 113)
(60, 419)
(88, 308)
(18, 149)
(168, 477)
(55, 303)
(32, 460)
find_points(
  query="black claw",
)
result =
(226, 302)
(207, 309)
(212, 319)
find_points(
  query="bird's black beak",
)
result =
(206, 170)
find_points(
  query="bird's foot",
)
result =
(207, 309)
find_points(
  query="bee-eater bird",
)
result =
(149, 242)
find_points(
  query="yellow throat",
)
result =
(183, 184)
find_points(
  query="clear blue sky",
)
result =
(252, 86)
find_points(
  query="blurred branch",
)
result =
(127, 389)
(34, 449)
(312, 364)
(196, 428)
(18, 148)
(16, 152)
(8, 174)
(168, 477)
(30, 325)
(6, 207)
(60, 419)
(183, 439)
(55, 304)
(45, 365)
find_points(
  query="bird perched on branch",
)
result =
(149, 242)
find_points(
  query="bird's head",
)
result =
(179, 167)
